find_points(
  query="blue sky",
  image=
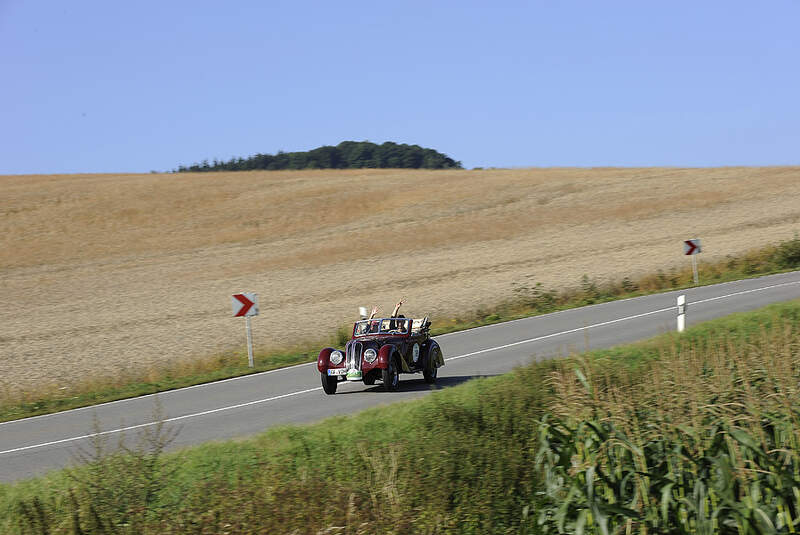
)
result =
(98, 86)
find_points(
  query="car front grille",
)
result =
(354, 352)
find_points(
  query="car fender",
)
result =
(323, 360)
(385, 354)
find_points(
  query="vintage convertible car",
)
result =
(380, 350)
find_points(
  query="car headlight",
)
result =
(370, 355)
(336, 358)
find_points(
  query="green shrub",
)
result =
(787, 254)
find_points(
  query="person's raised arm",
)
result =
(374, 311)
(397, 308)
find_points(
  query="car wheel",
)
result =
(369, 379)
(329, 383)
(391, 377)
(430, 374)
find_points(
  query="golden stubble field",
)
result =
(109, 275)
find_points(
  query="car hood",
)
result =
(376, 340)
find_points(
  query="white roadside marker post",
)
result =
(681, 313)
(362, 311)
(246, 304)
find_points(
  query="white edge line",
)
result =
(621, 319)
(147, 424)
(162, 393)
(274, 398)
(646, 296)
(743, 292)
(570, 331)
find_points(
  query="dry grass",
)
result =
(110, 275)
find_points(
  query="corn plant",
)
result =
(704, 441)
(598, 480)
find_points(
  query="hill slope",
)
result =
(111, 274)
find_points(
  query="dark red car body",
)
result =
(400, 345)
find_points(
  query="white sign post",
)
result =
(691, 248)
(246, 305)
(362, 311)
(681, 313)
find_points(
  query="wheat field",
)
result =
(108, 275)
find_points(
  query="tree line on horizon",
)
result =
(345, 155)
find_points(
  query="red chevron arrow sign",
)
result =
(691, 247)
(245, 304)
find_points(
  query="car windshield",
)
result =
(382, 326)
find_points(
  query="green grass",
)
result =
(461, 460)
(530, 299)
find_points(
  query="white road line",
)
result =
(743, 292)
(604, 323)
(487, 350)
(164, 393)
(168, 420)
(620, 319)
(570, 331)
(637, 298)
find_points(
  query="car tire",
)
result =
(329, 383)
(369, 379)
(430, 374)
(390, 377)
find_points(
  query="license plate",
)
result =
(338, 371)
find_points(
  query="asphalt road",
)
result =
(247, 405)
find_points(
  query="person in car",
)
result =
(399, 325)
(393, 326)
(394, 312)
